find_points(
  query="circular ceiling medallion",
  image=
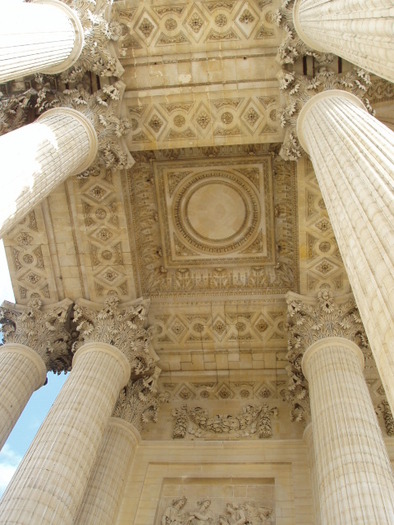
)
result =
(216, 211)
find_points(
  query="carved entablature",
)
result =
(253, 422)
(45, 329)
(140, 400)
(120, 325)
(309, 320)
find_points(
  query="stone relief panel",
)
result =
(102, 241)
(215, 213)
(320, 261)
(217, 501)
(194, 26)
(234, 116)
(30, 261)
(153, 273)
(253, 421)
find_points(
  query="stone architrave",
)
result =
(38, 157)
(357, 30)
(42, 36)
(36, 339)
(355, 482)
(352, 157)
(51, 480)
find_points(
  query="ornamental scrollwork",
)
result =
(120, 325)
(140, 400)
(309, 320)
(253, 421)
(44, 329)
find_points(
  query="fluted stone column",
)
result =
(352, 155)
(354, 475)
(36, 340)
(44, 36)
(137, 405)
(308, 438)
(38, 157)
(22, 371)
(360, 31)
(51, 480)
(355, 482)
(107, 481)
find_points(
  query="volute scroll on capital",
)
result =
(123, 326)
(45, 329)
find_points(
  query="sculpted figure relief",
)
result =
(247, 513)
(202, 514)
(173, 515)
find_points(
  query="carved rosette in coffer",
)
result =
(216, 212)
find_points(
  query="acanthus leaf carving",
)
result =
(120, 325)
(44, 329)
(252, 421)
(140, 400)
(309, 320)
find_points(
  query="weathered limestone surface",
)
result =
(38, 157)
(107, 482)
(352, 156)
(49, 484)
(354, 476)
(358, 30)
(41, 36)
(22, 371)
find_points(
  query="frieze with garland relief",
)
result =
(254, 421)
(156, 277)
(194, 26)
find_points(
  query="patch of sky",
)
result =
(26, 428)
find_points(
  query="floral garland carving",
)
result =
(252, 421)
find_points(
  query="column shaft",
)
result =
(351, 154)
(107, 481)
(41, 36)
(50, 481)
(308, 438)
(354, 475)
(38, 157)
(360, 31)
(22, 371)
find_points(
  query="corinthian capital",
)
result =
(120, 325)
(44, 329)
(310, 319)
(140, 400)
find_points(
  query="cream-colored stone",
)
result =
(355, 30)
(44, 36)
